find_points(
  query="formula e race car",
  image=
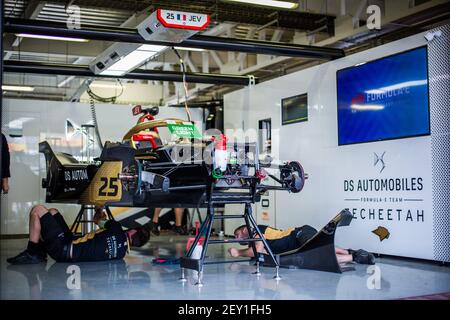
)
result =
(144, 171)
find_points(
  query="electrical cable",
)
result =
(92, 98)
(111, 99)
(183, 70)
(94, 120)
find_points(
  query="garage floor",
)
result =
(137, 278)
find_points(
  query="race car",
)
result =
(144, 170)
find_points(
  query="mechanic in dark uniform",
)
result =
(281, 241)
(49, 234)
(6, 174)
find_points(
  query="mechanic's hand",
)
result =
(99, 215)
(234, 252)
(5, 185)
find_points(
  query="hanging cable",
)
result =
(94, 120)
(94, 97)
(183, 70)
(111, 99)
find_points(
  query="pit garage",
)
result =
(225, 150)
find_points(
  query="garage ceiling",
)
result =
(331, 23)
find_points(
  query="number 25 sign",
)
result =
(183, 20)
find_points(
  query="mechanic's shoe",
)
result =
(26, 258)
(42, 252)
(43, 255)
(154, 228)
(362, 256)
(179, 230)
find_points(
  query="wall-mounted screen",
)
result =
(384, 99)
(294, 109)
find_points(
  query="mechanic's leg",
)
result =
(53, 211)
(361, 256)
(33, 253)
(341, 251)
(156, 214)
(36, 214)
(153, 226)
(179, 220)
(344, 258)
(61, 222)
(178, 216)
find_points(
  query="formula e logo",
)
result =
(359, 99)
(379, 160)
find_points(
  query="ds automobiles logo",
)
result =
(379, 160)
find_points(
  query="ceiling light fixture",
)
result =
(133, 60)
(65, 81)
(104, 85)
(38, 36)
(17, 88)
(189, 49)
(270, 3)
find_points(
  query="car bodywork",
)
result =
(134, 174)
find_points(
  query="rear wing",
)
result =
(71, 181)
(66, 177)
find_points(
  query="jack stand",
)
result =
(84, 218)
(182, 278)
(216, 197)
(88, 219)
(277, 275)
(197, 264)
(200, 280)
(257, 272)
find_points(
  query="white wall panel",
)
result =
(45, 120)
(314, 143)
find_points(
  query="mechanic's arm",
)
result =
(103, 222)
(248, 252)
(99, 217)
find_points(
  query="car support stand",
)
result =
(198, 264)
(86, 217)
(218, 194)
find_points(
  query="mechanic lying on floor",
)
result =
(281, 241)
(49, 234)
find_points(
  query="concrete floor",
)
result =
(136, 277)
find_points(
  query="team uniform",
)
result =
(5, 171)
(107, 243)
(281, 241)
